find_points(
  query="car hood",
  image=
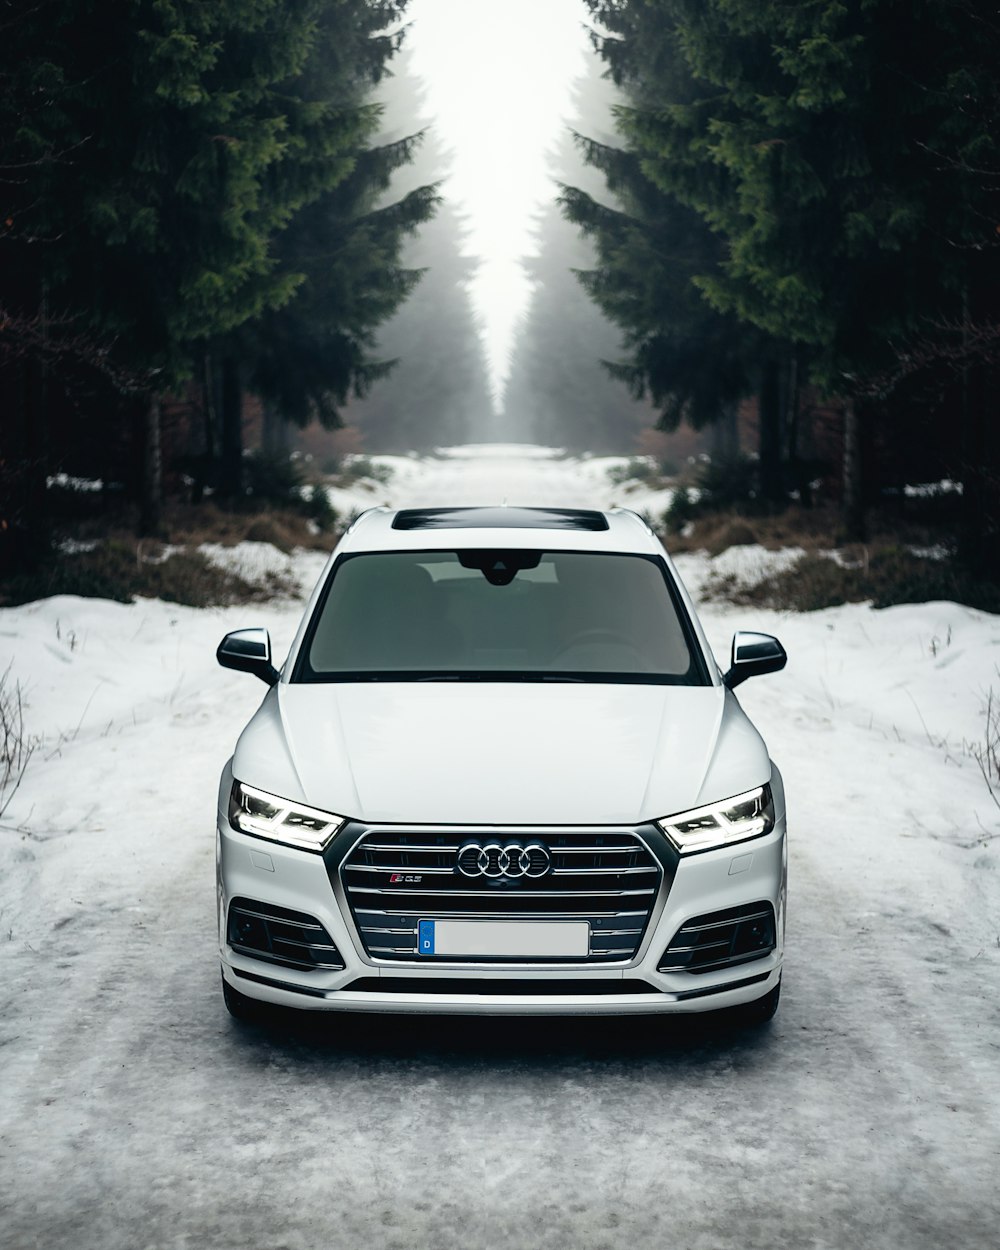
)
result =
(501, 753)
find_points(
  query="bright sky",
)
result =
(498, 75)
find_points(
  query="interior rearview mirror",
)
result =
(752, 655)
(248, 651)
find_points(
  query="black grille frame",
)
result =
(609, 876)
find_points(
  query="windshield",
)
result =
(500, 616)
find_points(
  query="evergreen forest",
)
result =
(800, 219)
(196, 219)
(775, 224)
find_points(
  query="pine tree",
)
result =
(147, 216)
(436, 392)
(832, 147)
(559, 390)
(693, 362)
(310, 356)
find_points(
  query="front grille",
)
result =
(721, 939)
(609, 879)
(280, 935)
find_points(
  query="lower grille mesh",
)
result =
(394, 879)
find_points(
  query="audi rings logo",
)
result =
(508, 859)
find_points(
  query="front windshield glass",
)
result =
(501, 616)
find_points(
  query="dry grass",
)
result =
(882, 575)
(987, 752)
(121, 567)
(891, 567)
(123, 570)
(190, 525)
(814, 529)
(16, 745)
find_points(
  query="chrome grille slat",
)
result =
(607, 877)
(308, 946)
(700, 928)
(616, 932)
(266, 915)
(394, 868)
(593, 850)
(391, 893)
(702, 946)
(404, 846)
(510, 915)
(590, 872)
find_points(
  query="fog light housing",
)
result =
(754, 935)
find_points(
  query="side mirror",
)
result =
(752, 655)
(248, 651)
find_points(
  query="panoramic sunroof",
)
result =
(499, 518)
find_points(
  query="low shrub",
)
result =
(639, 469)
(282, 483)
(719, 486)
(314, 504)
(355, 467)
(728, 483)
(682, 511)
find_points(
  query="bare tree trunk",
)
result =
(151, 502)
(275, 442)
(209, 422)
(853, 502)
(797, 437)
(231, 463)
(769, 417)
(724, 434)
(977, 536)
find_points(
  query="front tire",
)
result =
(753, 1015)
(240, 1007)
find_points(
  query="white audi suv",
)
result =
(501, 772)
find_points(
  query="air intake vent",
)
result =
(500, 518)
(280, 936)
(721, 939)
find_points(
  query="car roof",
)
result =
(577, 529)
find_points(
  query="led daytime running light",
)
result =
(745, 816)
(264, 815)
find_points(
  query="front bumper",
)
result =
(705, 883)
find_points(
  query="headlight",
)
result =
(279, 820)
(748, 815)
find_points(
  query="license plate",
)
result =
(504, 938)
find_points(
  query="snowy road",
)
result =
(133, 1113)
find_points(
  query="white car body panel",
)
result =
(526, 753)
(482, 755)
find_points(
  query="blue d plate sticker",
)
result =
(425, 937)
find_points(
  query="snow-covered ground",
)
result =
(498, 473)
(133, 1114)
